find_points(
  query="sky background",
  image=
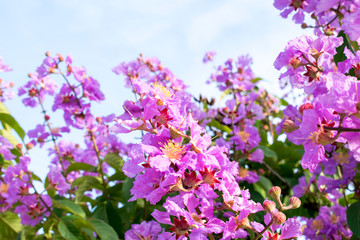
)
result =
(102, 34)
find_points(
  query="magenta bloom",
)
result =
(209, 57)
(351, 24)
(145, 230)
(32, 210)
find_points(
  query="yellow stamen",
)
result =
(166, 94)
(243, 172)
(244, 136)
(173, 150)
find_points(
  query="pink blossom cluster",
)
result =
(176, 163)
(330, 16)
(327, 124)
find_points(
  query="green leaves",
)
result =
(69, 231)
(9, 225)
(353, 218)
(115, 161)
(8, 122)
(70, 207)
(103, 230)
(219, 126)
(80, 166)
(84, 184)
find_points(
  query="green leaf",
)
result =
(268, 152)
(9, 136)
(283, 102)
(219, 126)
(69, 231)
(71, 207)
(127, 185)
(9, 225)
(115, 161)
(80, 166)
(114, 218)
(104, 230)
(84, 184)
(8, 119)
(100, 213)
(265, 183)
(255, 80)
(353, 218)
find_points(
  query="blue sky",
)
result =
(102, 34)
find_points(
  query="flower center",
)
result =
(317, 224)
(243, 172)
(162, 90)
(244, 136)
(173, 150)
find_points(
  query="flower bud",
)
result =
(29, 145)
(305, 106)
(47, 117)
(304, 25)
(294, 202)
(289, 126)
(47, 54)
(279, 218)
(61, 58)
(275, 192)
(19, 147)
(269, 206)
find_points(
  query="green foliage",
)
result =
(9, 225)
(353, 218)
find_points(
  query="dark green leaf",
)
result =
(69, 231)
(114, 218)
(353, 218)
(80, 166)
(268, 152)
(104, 230)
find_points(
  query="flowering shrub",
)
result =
(199, 171)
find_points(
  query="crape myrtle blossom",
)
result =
(291, 229)
(327, 14)
(16, 190)
(307, 61)
(329, 224)
(145, 230)
(176, 155)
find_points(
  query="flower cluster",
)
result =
(330, 17)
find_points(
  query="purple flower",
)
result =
(32, 210)
(57, 180)
(209, 57)
(145, 230)
(350, 25)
